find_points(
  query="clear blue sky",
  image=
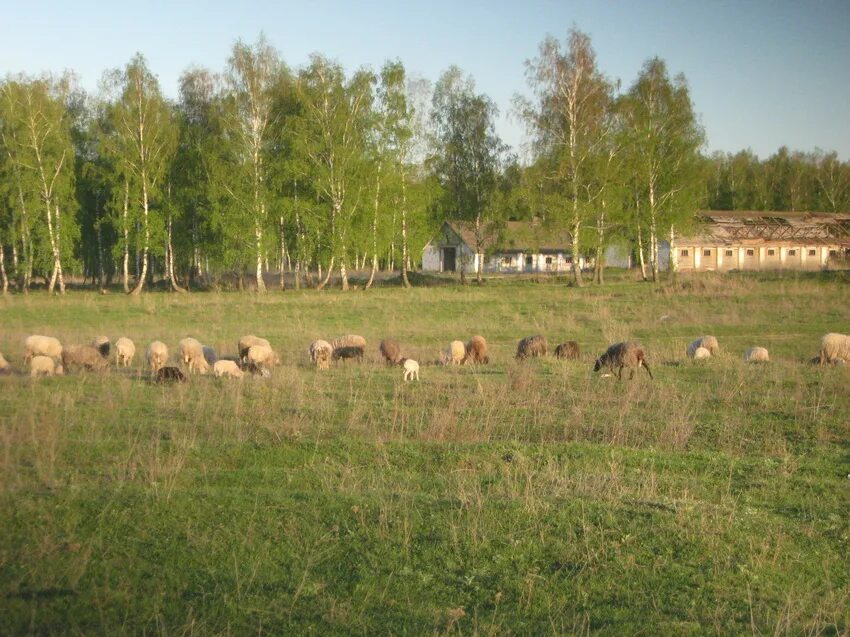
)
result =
(762, 74)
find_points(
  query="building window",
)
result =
(751, 252)
(792, 253)
(506, 260)
(729, 253)
(771, 252)
(706, 253)
(684, 253)
(529, 260)
(548, 260)
(833, 253)
(568, 259)
(812, 252)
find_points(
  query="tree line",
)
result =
(261, 169)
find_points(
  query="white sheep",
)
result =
(227, 368)
(756, 355)
(246, 342)
(411, 369)
(262, 357)
(125, 350)
(835, 348)
(192, 355)
(706, 342)
(349, 340)
(455, 353)
(320, 354)
(157, 356)
(44, 366)
(4, 365)
(700, 353)
(37, 345)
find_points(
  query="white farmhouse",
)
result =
(518, 246)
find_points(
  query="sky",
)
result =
(762, 74)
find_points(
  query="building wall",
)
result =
(723, 258)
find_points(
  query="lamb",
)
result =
(455, 353)
(227, 368)
(125, 350)
(321, 353)
(246, 342)
(476, 351)
(4, 366)
(192, 355)
(157, 356)
(349, 340)
(262, 357)
(209, 355)
(835, 348)
(344, 353)
(706, 342)
(391, 351)
(700, 353)
(568, 351)
(756, 355)
(169, 374)
(531, 346)
(102, 345)
(83, 357)
(44, 366)
(411, 369)
(627, 354)
(36, 345)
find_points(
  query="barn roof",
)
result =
(514, 236)
(728, 227)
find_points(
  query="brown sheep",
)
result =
(169, 374)
(568, 351)
(344, 353)
(620, 355)
(531, 346)
(102, 345)
(83, 357)
(476, 351)
(391, 351)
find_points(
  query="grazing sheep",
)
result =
(4, 366)
(411, 369)
(344, 353)
(44, 366)
(42, 346)
(531, 346)
(700, 353)
(455, 353)
(349, 340)
(125, 350)
(227, 368)
(476, 351)
(835, 348)
(321, 353)
(246, 342)
(209, 355)
(157, 356)
(568, 351)
(756, 355)
(391, 351)
(83, 357)
(169, 374)
(257, 370)
(628, 354)
(262, 357)
(192, 355)
(102, 345)
(706, 342)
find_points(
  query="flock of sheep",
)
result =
(46, 356)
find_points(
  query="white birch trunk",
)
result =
(140, 283)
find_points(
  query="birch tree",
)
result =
(664, 142)
(570, 125)
(143, 143)
(251, 76)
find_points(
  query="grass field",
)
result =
(533, 498)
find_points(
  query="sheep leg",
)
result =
(647, 368)
(620, 373)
